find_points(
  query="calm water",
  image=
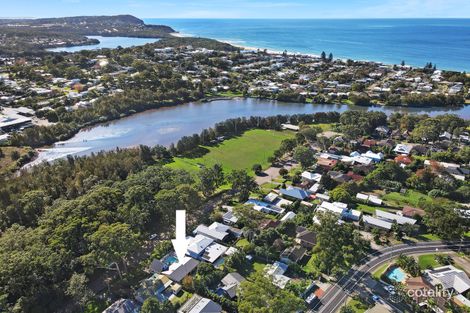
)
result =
(396, 274)
(445, 42)
(107, 42)
(166, 125)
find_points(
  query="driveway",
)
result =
(273, 172)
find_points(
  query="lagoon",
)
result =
(107, 42)
(167, 125)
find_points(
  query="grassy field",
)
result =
(427, 261)
(254, 146)
(411, 197)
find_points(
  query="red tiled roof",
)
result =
(355, 177)
(403, 159)
(410, 211)
(319, 292)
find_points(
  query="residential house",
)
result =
(339, 177)
(230, 284)
(197, 245)
(355, 177)
(450, 168)
(326, 164)
(371, 221)
(311, 177)
(229, 218)
(276, 272)
(156, 266)
(403, 149)
(290, 127)
(295, 193)
(180, 270)
(403, 160)
(293, 254)
(412, 212)
(288, 216)
(449, 278)
(390, 217)
(152, 287)
(216, 231)
(265, 207)
(362, 160)
(382, 131)
(306, 238)
(375, 157)
(340, 209)
(122, 306)
(213, 252)
(198, 304)
(420, 290)
(268, 223)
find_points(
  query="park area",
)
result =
(253, 147)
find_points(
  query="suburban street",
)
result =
(337, 294)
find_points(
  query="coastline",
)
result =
(245, 47)
(293, 53)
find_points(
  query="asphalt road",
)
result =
(337, 294)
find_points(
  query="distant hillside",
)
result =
(116, 19)
(19, 36)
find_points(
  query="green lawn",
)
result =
(181, 299)
(380, 271)
(368, 208)
(310, 267)
(357, 306)
(230, 94)
(411, 197)
(267, 187)
(427, 261)
(242, 243)
(259, 267)
(429, 237)
(254, 146)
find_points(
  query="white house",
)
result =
(288, 216)
(311, 176)
(403, 149)
(390, 217)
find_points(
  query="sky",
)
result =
(239, 8)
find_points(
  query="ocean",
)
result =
(445, 42)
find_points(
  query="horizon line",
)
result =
(246, 18)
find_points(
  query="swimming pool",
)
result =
(258, 202)
(396, 274)
(169, 259)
